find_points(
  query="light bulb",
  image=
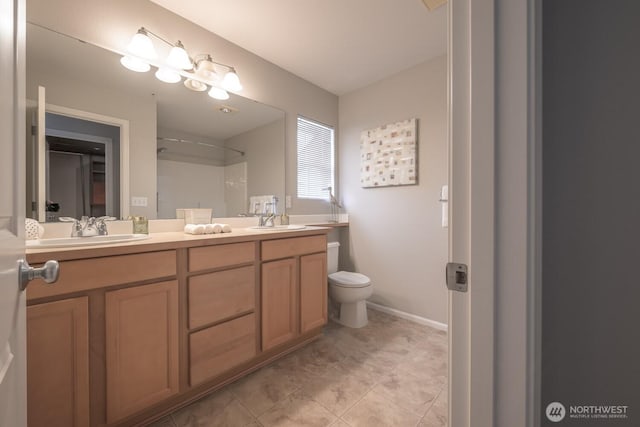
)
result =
(218, 93)
(206, 69)
(231, 81)
(141, 45)
(195, 85)
(135, 64)
(179, 58)
(168, 76)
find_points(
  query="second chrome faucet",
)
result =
(88, 226)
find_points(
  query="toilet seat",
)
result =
(348, 279)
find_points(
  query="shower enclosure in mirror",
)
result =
(174, 147)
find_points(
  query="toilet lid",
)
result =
(348, 279)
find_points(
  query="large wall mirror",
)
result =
(107, 135)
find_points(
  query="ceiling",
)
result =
(339, 45)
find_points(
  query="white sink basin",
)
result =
(278, 227)
(84, 241)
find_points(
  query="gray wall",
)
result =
(111, 24)
(395, 233)
(591, 206)
(265, 162)
(65, 186)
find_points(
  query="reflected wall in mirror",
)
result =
(81, 176)
(185, 149)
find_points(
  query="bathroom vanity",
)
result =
(130, 332)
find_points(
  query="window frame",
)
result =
(332, 160)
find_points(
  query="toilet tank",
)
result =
(332, 257)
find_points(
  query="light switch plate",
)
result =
(287, 202)
(139, 201)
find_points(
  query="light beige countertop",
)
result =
(166, 241)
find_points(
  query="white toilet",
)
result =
(349, 290)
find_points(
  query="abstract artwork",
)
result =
(388, 155)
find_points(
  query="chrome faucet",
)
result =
(88, 226)
(266, 220)
(268, 215)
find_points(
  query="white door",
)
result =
(471, 199)
(13, 395)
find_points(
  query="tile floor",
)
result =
(390, 373)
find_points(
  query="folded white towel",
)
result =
(194, 229)
(209, 229)
(217, 228)
(226, 228)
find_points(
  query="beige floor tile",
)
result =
(385, 374)
(428, 362)
(437, 414)
(376, 410)
(163, 422)
(297, 410)
(263, 389)
(412, 391)
(339, 389)
(219, 409)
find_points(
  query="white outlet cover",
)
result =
(139, 201)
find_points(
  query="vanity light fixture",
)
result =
(203, 71)
(167, 75)
(141, 45)
(217, 93)
(135, 64)
(195, 85)
(231, 81)
(179, 58)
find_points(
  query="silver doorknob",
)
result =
(49, 272)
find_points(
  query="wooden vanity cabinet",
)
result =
(279, 302)
(141, 347)
(313, 291)
(132, 332)
(294, 288)
(222, 289)
(58, 363)
(123, 338)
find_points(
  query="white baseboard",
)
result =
(408, 316)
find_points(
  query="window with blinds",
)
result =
(315, 159)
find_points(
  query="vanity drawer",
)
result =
(215, 350)
(285, 248)
(208, 257)
(220, 295)
(94, 273)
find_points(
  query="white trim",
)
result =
(408, 316)
(40, 154)
(124, 145)
(534, 216)
(472, 210)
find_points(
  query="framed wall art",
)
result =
(388, 155)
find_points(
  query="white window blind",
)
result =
(315, 159)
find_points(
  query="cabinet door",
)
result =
(279, 297)
(141, 347)
(313, 291)
(58, 364)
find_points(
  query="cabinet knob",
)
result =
(49, 272)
